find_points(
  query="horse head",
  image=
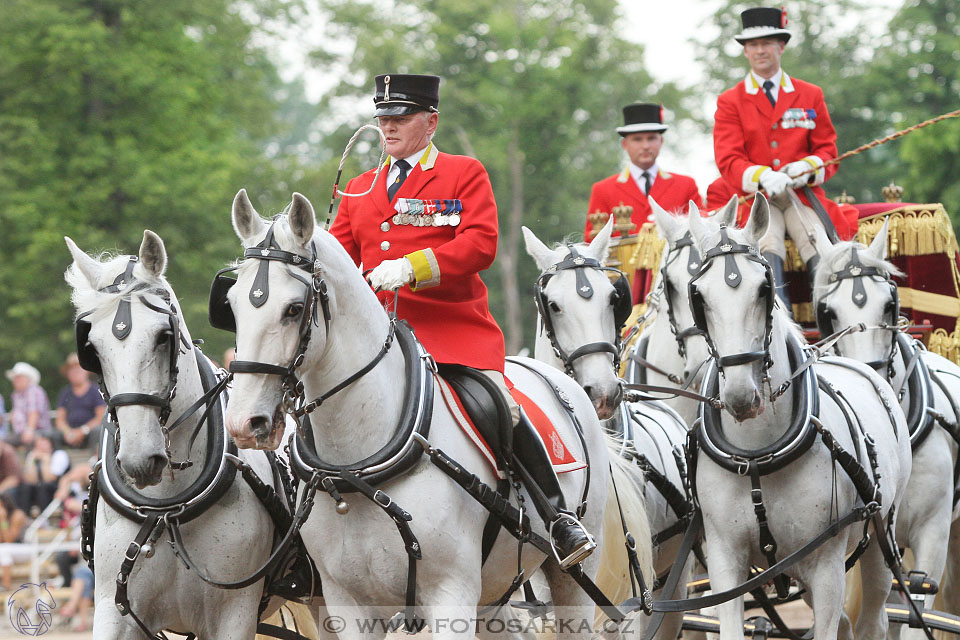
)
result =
(732, 302)
(581, 314)
(129, 332)
(853, 284)
(680, 261)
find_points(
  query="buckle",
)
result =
(376, 498)
(134, 549)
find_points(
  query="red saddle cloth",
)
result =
(561, 457)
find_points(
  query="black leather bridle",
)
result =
(622, 306)
(856, 272)
(728, 250)
(693, 267)
(127, 285)
(316, 300)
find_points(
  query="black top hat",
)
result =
(763, 22)
(399, 94)
(642, 116)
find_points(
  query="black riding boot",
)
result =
(571, 542)
(780, 280)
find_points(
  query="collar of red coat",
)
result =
(752, 88)
(427, 160)
(625, 175)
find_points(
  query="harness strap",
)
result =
(401, 518)
(121, 599)
(768, 544)
(303, 511)
(646, 364)
(674, 392)
(633, 562)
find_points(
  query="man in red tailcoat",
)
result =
(773, 132)
(425, 231)
(641, 136)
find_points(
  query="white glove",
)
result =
(774, 182)
(391, 274)
(797, 171)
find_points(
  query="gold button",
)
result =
(776, 162)
(384, 226)
(774, 144)
(384, 246)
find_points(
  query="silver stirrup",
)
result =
(579, 554)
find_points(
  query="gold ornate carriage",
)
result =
(921, 242)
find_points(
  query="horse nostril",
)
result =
(156, 462)
(589, 390)
(259, 425)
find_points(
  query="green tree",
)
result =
(831, 49)
(916, 76)
(531, 88)
(120, 115)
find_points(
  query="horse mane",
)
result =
(835, 259)
(87, 297)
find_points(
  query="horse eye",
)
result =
(554, 307)
(164, 337)
(294, 310)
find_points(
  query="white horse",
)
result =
(670, 341)
(853, 284)
(804, 489)
(650, 435)
(231, 538)
(358, 553)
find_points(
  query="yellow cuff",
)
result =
(756, 174)
(810, 161)
(426, 271)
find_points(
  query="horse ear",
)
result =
(301, 219)
(728, 214)
(759, 219)
(246, 220)
(540, 253)
(878, 247)
(89, 267)
(699, 228)
(667, 225)
(822, 241)
(600, 245)
(153, 255)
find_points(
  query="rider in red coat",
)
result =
(430, 222)
(770, 130)
(641, 137)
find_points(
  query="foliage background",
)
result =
(120, 115)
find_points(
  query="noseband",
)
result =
(693, 267)
(621, 307)
(728, 250)
(856, 272)
(122, 326)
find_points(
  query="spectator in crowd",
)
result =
(80, 407)
(13, 521)
(41, 474)
(73, 490)
(77, 607)
(30, 411)
(3, 416)
(9, 468)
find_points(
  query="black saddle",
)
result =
(485, 405)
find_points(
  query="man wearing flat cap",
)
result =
(773, 133)
(641, 137)
(426, 230)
